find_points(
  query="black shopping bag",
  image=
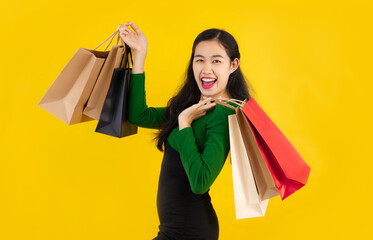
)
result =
(113, 118)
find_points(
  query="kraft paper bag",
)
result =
(263, 178)
(68, 94)
(247, 201)
(96, 100)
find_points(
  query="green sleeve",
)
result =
(203, 168)
(138, 112)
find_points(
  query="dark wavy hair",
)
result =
(189, 92)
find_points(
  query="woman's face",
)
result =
(212, 62)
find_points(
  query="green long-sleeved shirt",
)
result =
(203, 147)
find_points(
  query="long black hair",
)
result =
(190, 94)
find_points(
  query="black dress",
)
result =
(183, 215)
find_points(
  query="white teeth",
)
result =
(208, 80)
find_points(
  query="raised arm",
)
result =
(138, 112)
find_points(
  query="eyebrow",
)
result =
(198, 55)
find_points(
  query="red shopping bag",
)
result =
(289, 171)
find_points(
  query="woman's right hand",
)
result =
(135, 40)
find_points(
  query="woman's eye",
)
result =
(198, 60)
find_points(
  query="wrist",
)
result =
(138, 64)
(183, 123)
(139, 53)
(136, 69)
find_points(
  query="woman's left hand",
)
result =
(194, 112)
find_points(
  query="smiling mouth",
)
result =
(208, 83)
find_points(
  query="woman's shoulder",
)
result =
(218, 116)
(221, 109)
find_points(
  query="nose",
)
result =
(206, 68)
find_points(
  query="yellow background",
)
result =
(310, 65)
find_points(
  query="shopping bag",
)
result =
(265, 184)
(96, 99)
(289, 171)
(113, 120)
(247, 201)
(262, 176)
(66, 97)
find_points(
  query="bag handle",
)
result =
(225, 104)
(223, 101)
(112, 37)
(125, 61)
(130, 52)
(111, 41)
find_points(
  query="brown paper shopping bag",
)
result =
(68, 94)
(97, 98)
(247, 201)
(265, 184)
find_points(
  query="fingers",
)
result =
(199, 109)
(126, 26)
(125, 32)
(205, 100)
(134, 27)
(206, 104)
(124, 29)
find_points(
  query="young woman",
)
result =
(193, 129)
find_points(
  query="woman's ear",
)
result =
(234, 65)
